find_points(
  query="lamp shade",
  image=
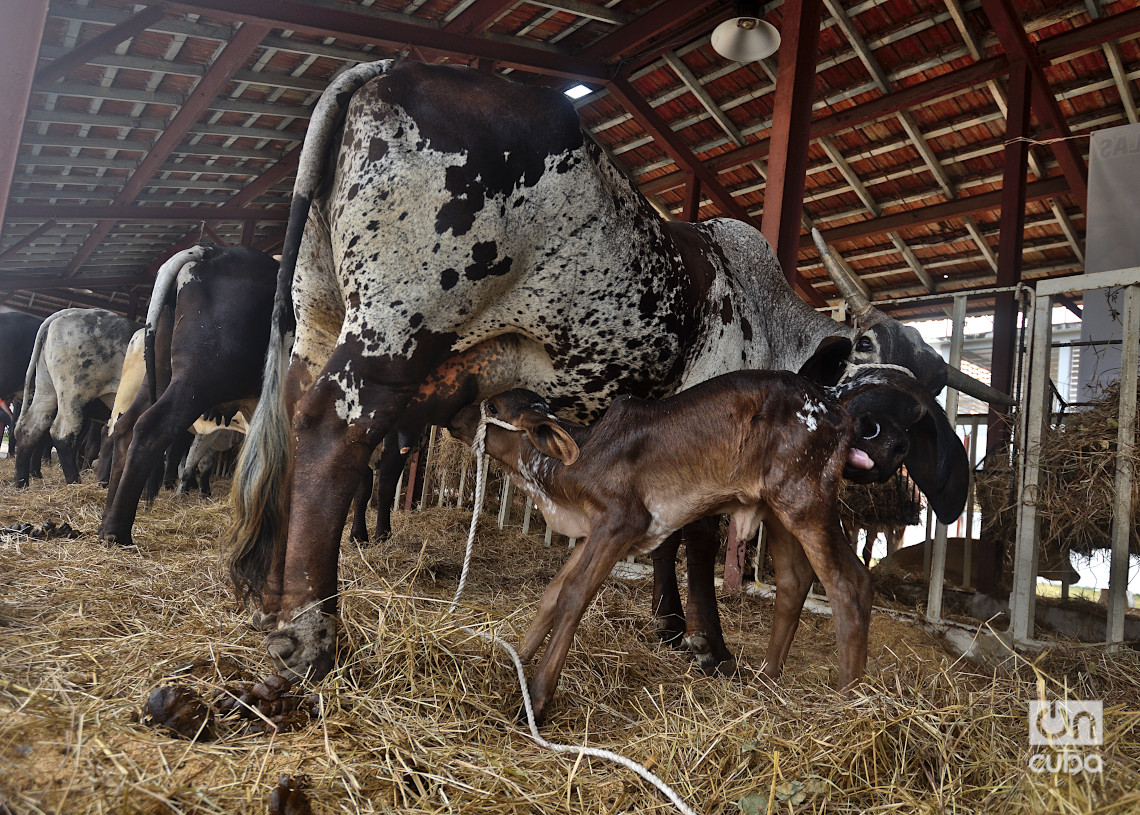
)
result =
(745, 39)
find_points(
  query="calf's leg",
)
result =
(847, 581)
(581, 577)
(793, 576)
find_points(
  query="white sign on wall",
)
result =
(1112, 242)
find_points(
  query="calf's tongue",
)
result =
(857, 458)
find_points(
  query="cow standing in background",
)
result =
(17, 338)
(206, 331)
(452, 235)
(73, 373)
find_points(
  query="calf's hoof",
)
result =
(711, 664)
(303, 648)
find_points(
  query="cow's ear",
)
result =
(938, 464)
(828, 362)
(548, 437)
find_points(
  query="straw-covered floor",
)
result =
(419, 718)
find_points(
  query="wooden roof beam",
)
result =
(20, 38)
(99, 45)
(397, 31)
(232, 57)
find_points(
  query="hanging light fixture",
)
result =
(745, 38)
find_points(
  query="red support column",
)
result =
(1014, 183)
(20, 37)
(791, 131)
(691, 210)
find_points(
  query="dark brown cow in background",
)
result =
(207, 329)
(452, 235)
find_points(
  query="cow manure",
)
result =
(288, 797)
(267, 705)
(180, 710)
(47, 531)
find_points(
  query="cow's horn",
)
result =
(976, 388)
(857, 302)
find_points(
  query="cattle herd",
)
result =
(459, 254)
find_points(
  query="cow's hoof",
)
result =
(710, 664)
(671, 631)
(303, 648)
(116, 540)
(263, 620)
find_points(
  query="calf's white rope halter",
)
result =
(477, 448)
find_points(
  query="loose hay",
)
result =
(1078, 484)
(419, 718)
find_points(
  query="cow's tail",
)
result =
(160, 296)
(37, 349)
(261, 482)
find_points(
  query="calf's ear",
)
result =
(549, 438)
(938, 464)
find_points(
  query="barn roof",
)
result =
(152, 125)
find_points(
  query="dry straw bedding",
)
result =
(420, 718)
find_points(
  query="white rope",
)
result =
(477, 448)
(853, 369)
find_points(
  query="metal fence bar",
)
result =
(1125, 446)
(938, 552)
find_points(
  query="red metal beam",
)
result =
(144, 214)
(476, 16)
(1011, 33)
(659, 129)
(649, 24)
(691, 211)
(949, 210)
(1103, 30)
(791, 131)
(398, 33)
(99, 44)
(20, 37)
(27, 239)
(233, 56)
(1106, 29)
(915, 95)
(49, 283)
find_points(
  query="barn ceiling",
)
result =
(150, 126)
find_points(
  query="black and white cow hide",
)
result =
(73, 372)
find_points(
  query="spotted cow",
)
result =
(453, 234)
(73, 373)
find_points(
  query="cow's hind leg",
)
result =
(33, 428)
(703, 633)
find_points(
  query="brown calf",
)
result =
(757, 445)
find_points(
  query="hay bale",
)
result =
(1078, 481)
(420, 718)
